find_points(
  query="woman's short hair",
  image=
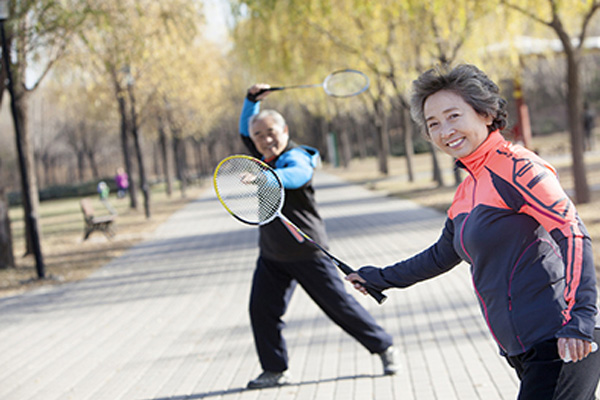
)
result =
(469, 82)
(277, 118)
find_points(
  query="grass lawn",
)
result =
(66, 256)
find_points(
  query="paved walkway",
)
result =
(168, 319)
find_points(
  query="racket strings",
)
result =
(249, 190)
(346, 83)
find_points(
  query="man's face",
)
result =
(269, 138)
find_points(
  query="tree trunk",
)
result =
(408, 144)
(31, 202)
(7, 258)
(138, 151)
(206, 161)
(361, 142)
(574, 107)
(382, 139)
(437, 171)
(179, 162)
(80, 165)
(198, 157)
(91, 156)
(162, 137)
(125, 148)
(345, 149)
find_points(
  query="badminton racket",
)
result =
(342, 83)
(252, 192)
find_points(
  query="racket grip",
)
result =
(376, 294)
(253, 97)
(346, 269)
(271, 89)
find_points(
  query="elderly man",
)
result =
(284, 262)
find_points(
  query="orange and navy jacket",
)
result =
(530, 255)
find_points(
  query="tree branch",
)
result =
(527, 12)
(595, 6)
(48, 67)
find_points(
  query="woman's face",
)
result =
(453, 125)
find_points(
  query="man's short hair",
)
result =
(277, 118)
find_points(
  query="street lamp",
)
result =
(30, 215)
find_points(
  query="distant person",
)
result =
(530, 255)
(588, 126)
(103, 190)
(122, 182)
(283, 262)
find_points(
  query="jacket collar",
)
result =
(475, 161)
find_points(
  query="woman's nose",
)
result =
(447, 131)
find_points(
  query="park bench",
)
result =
(93, 223)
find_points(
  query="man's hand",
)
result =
(254, 92)
(247, 178)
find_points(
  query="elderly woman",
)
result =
(529, 253)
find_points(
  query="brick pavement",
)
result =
(168, 319)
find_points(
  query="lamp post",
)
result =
(30, 216)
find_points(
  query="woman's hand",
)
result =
(357, 282)
(578, 349)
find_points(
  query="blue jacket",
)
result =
(295, 167)
(530, 255)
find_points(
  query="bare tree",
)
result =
(34, 28)
(573, 49)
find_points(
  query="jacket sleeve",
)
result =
(545, 200)
(434, 261)
(295, 168)
(249, 109)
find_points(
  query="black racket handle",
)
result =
(253, 96)
(376, 294)
(272, 89)
(346, 269)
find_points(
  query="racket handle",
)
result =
(272, 89)
(346, 269)
(376, 294)
(253, 97)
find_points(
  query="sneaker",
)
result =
(389, 360)
(269, 379)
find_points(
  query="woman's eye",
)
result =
(432, 125)
(455, 115)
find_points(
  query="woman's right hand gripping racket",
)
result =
(251, 191)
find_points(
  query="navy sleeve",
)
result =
(436, 260)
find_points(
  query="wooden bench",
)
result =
(102, 224)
